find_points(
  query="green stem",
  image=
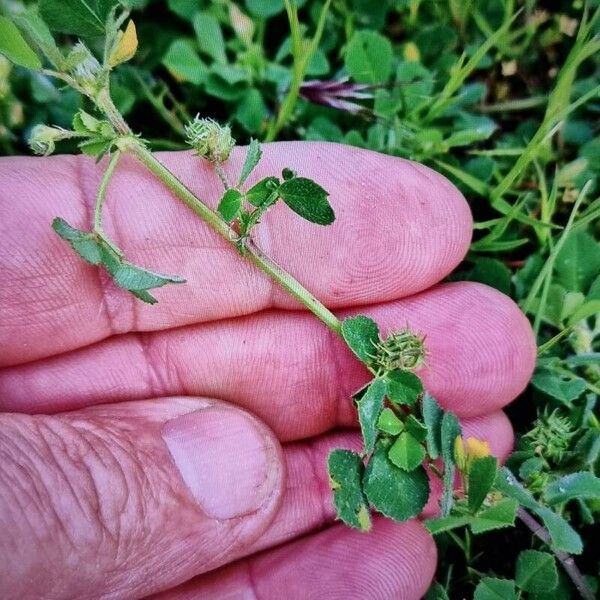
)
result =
(214, 221)
(114, 159)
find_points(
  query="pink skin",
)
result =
(131, 498)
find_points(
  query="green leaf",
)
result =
(308, 199)
(482, 474)
(406, 452)
(398, 494)
(449, 431)
(556, 385)
(15, 48)
(578, 262)
(369, 408)
(443, 524)
(501, 514)
(491, 588)
(83, 122)
(183, 62)
(432, 416)
(33, 25)
(368, 57)
(416, 428)
(345, 475)
(583, 486)
(95, 147)
(388, 422)
(562, 535)
(362, 335)
(134, 278)
(230, 205)
(84, 243)
(253, 155)
(403, 387)
(78, 17)
(209, 36)
(536, 572)
(259, 193)
(251, 111)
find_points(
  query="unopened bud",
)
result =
(43, 138)
(86, 69)
(210, 139)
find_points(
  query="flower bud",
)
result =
(403, 350)
(210, 139)
(43, 138)
(85, 69)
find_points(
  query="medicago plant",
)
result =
(406, 434)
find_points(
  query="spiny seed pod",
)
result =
(43, 138)
(210, 139)
(552, 436)
(403, 350)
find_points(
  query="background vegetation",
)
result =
(501, 96)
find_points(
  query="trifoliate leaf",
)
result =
(230, 204)
(536, 572)
(308, 199)
(482, 473)
(432, 416)
(406, 452)
(345, 475)
(126, 45)
(361, 334)
(369, 408)
(368, 57)
(583, 486)
(14, 46)
(501, 514)
(398, 494)
(259, 193)
(403, 387)
(491, 588)
(389, 423)
(449, 431)
(253, 155)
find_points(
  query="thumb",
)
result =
(127, 499)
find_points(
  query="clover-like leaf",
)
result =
(536, 572)
(492, 588)
(361, 334)
(259, 193)
(449, 431)
(369, 407)
(398, 494)
(230, 205)
(501, 514)
(406, 452)
(403, 387)
(432, 416)
(482, 473)
(345, 475)
(308, 199)
(253, 155)
(388, 422)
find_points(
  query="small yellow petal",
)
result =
(411, 52)
(477, 448)
(126, 45)
(364, 518)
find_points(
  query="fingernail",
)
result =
(228, 462)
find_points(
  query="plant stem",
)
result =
(214, 221)
(566, 560)
(114, 159)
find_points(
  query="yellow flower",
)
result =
(477, 448)
(467, 451)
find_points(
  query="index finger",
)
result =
(400, 228)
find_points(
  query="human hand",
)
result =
(189, 439)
